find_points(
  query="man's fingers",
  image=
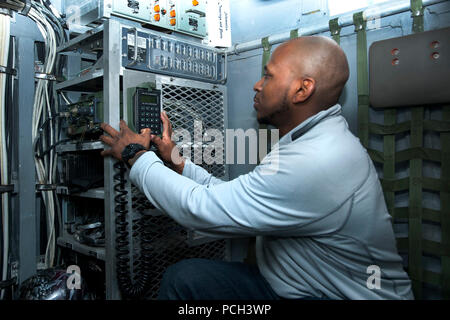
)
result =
(170, 125)
(106, 153)
(166, 124)
(108, 140)
(109, 130)
(156, 140)
(123, 125)
(146, 133)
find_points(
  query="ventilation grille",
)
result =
(169, 245)
(184, 105)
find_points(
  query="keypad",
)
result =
(149, 117)
(148, 111)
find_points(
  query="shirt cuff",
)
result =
(142, 163)
(187, 170)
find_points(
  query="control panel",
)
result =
(163, 13)
(135, 9)
(184, 16)
(147, 110)
(187, 16)
(155, 52)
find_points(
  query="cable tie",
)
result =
(8, 70)
(7, 188)
(45, 187)
(26, 9)
(44, 76)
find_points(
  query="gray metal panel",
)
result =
(253, 19)
(244, 71)
(112, 116)
(410, 70)
(25, 221)
(28, 235)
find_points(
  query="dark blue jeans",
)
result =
(202, 279)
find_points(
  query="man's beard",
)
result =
(270, 118)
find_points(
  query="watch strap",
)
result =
(130, 151)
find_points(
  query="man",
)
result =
(321, 222)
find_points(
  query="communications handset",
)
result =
(147, 111)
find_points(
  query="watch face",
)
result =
(130, 150)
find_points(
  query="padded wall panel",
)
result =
(410, 70)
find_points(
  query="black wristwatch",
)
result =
(130, 151)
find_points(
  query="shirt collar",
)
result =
(309, 123)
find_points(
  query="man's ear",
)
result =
(304, 89)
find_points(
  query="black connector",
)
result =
(22, 7)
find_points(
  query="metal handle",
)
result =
(225, 72)
(134, 61)
(200, 13)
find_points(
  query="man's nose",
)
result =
(258, 85)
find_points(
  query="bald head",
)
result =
(319, 58)
(303, 77)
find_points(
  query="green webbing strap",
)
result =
(417, 14)
(418, 153)
(408, 154)
(363, 79)
(438, 185)
(266, 52)
(294, 34)
(335, 30)
(445, 206)
(415, 203)
(390, 119)
(416, 177)
(428, 246)
(402, 213)
(403, 127)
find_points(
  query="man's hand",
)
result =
(168, 150)
(119, 140)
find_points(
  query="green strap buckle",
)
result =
(266, 53)
(265, 44)
(294, 34)
(334, 27)
(417, 15)
(335, 30)
(417, 8)
(358, 20)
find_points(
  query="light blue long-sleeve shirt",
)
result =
(315, 204)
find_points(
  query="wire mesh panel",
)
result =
(168, 244)
(198, 111)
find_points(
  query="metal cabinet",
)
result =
(193, 96)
